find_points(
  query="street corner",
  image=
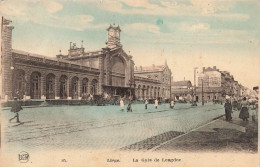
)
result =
(218, 136)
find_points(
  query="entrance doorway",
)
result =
(35, 85)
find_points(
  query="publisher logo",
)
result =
(23, 157)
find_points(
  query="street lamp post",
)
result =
(131, 83)
(202, 93)
(194, 88)
(12, 74)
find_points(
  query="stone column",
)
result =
(79, 89)
(152, 93)
(101, 75)
(108, 69)
(7, 61)
(89, 86)
(69, 89)
(27, 78)
(43, 86)
(147, 92)
(57, 87)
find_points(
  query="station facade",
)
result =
(107, 72)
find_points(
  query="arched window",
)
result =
(19, 88)
(74, 84)
(118, 71)
(63, 87)
(147, 92)
(85, 86)
(50, 88)
(94, 87)
(35, 85)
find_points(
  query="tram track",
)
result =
(81, 126)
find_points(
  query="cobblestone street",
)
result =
(101, 127)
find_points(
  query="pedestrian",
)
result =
(172, 104)
(122, 105)
(244, 114)
(129, 107)
(16, 107)
(228, 110)
(146, 103)
(254, 113)
(156, 103)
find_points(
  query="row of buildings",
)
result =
(212, 84)
(108, 72)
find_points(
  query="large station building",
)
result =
(109, 72)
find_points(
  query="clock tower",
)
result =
(113, 36)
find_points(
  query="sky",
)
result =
(186, 33)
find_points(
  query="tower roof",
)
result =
(114, 27)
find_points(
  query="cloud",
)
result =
(76, 22)
(52, 6)
(141, 3)
(18, 8)
(188, 34)
(11, 10)
(140, 28)
(204, 8)
(200, 27)
(44, 13)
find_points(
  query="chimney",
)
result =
(203, 69)
(153, 67)
(141, 68)
(214, 67)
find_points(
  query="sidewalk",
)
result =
(217, 136)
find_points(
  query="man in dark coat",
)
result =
(16, 107)
(228, 110)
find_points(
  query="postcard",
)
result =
(164, 83)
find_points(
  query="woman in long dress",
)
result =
(172, 104)
(122, 105)
(244, 114)
(156, 103)
(146, 103)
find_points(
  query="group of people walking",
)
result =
(156, 103)
(244, 111)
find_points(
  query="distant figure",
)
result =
(172, 104)
(254, 113)
(16, 107)
(228, 110)
(244, 114)
(91, 99)
(90, 96)
(156, 103)
(129, 107)
(146, 103)
(18, 94)
(122, 105)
